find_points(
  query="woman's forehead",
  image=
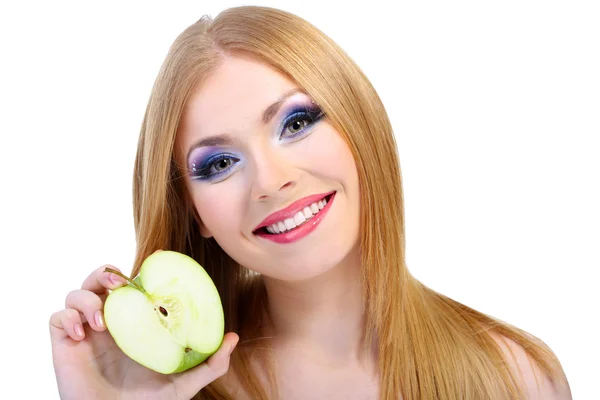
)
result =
(238, 85)
(235, 97)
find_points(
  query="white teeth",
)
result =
(289, 223)
(301, 217)
(307, 213)
(281, 226)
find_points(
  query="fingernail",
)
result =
(78, 330)
(98, 318)
(116, 279)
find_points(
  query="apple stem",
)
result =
(114, 271)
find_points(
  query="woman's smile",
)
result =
(296, 221)
(265, 169)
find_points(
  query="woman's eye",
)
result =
(223, 164)
(299, 122)
(297, 125)
(214, 168)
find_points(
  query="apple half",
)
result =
(170, 317)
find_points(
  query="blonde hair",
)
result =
(429, 346)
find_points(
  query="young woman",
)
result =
(267, 156)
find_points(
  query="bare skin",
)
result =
(319, 328)
(313, 285)
(316, 336)
(88, 364)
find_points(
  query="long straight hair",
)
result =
(429, 346)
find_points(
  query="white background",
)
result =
(496, 108)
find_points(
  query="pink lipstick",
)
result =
(300, 231)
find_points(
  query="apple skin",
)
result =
(170, 317)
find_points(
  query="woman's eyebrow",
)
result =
(224, 139)
(273, 108)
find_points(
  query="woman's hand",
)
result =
(89, 365)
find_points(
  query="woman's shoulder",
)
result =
(536, 384)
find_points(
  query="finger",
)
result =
(99, 281)
(66, 323)
(192, 381)
(90, 305)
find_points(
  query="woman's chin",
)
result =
(310, 270)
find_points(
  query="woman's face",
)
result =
(254, 144)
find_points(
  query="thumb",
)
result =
(190, 382)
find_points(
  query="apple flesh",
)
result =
(170, 317)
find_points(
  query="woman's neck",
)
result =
(324, 315)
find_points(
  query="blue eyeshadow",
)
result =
(204, 159)
(210, 163)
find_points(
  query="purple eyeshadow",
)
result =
(199, 156)
(209, 163)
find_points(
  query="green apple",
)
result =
(170, 317)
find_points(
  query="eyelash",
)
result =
(204, 172)
(301, 114)
(312, 116)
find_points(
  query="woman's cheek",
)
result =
(219, 209)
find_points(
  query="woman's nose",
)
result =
(272, 174)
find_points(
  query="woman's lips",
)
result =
(301, 230)
(291, 210)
